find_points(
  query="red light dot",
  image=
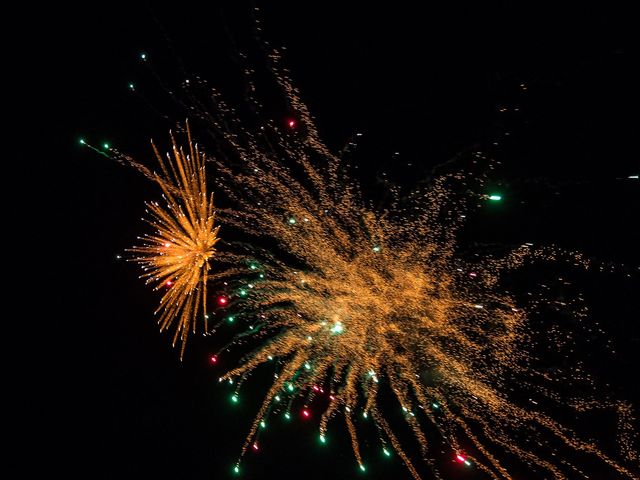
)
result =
(332, 397)
(255, 447)
(222, 300)
(291, 123)
(168, 283)
(214, 359)
(306, 413)
(460, 458)
(315, 388)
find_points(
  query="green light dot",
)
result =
(307, 366)
(234, 399)
(292, 221)
(263, 424)
(106, 146)
(376, 249)
(467, 463)
(236, 469)
(322, 439)
(230, 319)
(337, 328)
(386, 452)
(262, 275)
(252, 266)
(495, 197)
(132, 86)
(287, 416)
(82, 142)
(243, 293)
(277, 397)
(435, 405)
(143, 56)
(362, 467)
(290, 387)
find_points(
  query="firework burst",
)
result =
(176, 257)
(348, 302)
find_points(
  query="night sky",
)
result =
(113, 399)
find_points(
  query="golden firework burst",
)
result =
(176, 256)
(348, 301)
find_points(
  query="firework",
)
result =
(175, 258)
(350, 303)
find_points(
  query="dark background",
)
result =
(112, 399)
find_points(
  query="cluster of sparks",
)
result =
(351, 304)
(176, 256)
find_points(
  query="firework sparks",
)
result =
(175, 257)
(350, 302)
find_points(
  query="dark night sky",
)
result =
(113, 400)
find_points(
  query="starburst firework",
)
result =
(176, 257)
(348, 301)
